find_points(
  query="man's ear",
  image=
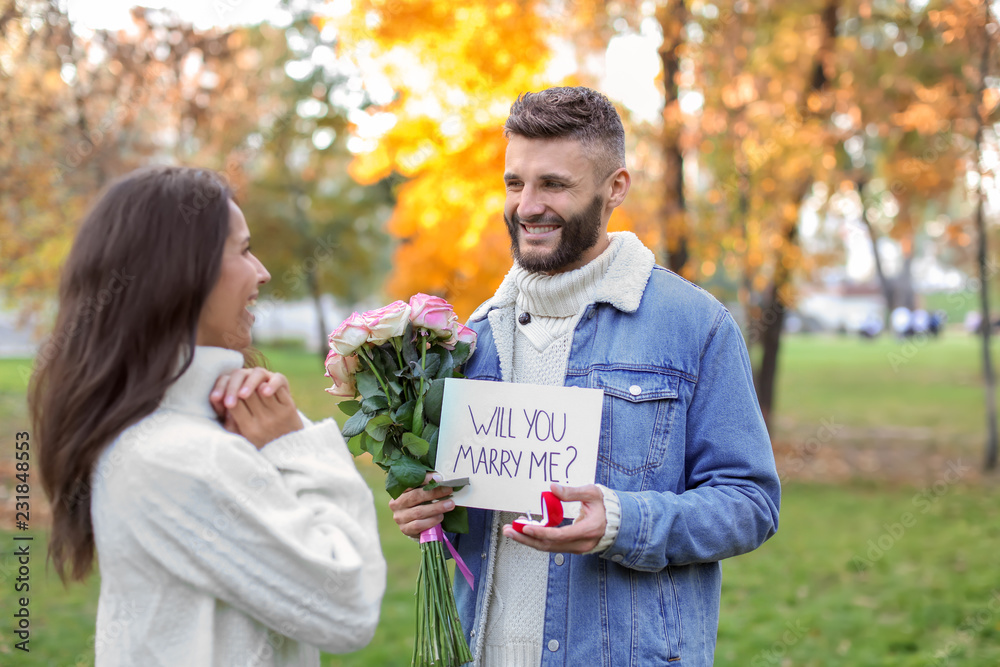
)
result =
(621, 180)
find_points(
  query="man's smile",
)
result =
(537, 229)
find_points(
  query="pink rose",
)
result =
(460, 334)
(434, 314)
(350, 335)
(342, 370)
(464, 334)
(387, 322)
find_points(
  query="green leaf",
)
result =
(456, 521)
(375, 404)
(355, 425)
(385, 361)
(354, 444)
(432, 401)
(378, 427)
(403, 415)
(410, 350)
(415, 370)
(375, 447)
(447, 364)
(367, 384)
(418, 417)
(430, 434)
(415, 445)
(349, 408)
(432, 363)
(393, 486)
(387, 354)
(461, 353)
(408, 472)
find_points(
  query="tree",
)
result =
(903, 149)
(85, 108)
(455, 72)
(803, 106)
(317, 230)
(765, 138)
(673, 18)
(986, 110)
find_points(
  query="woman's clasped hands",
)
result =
(255, 403)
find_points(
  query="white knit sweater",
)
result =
(213, 553)
(516, 604)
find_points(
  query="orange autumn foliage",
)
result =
(456, 72)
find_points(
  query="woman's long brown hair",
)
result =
(142, 265)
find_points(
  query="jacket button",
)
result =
(484, 555)
(617, 558)
(635, 390)
(472, 634)
(553, 645)
(524, 318)
(590, 315)
(559, 559)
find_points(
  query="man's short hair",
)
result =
(578, 113)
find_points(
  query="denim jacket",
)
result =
(682, 444)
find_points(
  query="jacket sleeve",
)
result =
(287, 535)
(730, 505)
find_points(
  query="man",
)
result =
(685, 471)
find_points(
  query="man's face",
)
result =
(555, 213)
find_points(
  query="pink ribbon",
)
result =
(435, 534)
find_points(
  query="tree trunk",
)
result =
(887, 290)
(771, 321)
(772, 316)
(989, 378)
(672, 19)
(770, 324)
(320, 318)
(312, 280)
(907, 296)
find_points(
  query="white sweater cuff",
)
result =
(613, 515)
(312, 439)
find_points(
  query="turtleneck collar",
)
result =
(563, 294)
(189, 393)
(622, 286)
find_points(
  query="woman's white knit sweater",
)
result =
(516, 606)
(213, 553)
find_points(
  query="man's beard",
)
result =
(576, 236)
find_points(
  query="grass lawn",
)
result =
(923, 385)
(859, 574)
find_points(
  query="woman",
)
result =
(229, 530)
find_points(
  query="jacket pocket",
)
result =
(644, 626)
(635, 425)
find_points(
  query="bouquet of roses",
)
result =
(394, 361)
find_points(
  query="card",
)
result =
(512, 440)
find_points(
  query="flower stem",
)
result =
(440, 641)
(423, 364)
(381, 383)
(396, 345)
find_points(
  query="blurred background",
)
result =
(826, 168)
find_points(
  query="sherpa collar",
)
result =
(622, 286)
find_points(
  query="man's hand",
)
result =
(577, 538)
(414, 511)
